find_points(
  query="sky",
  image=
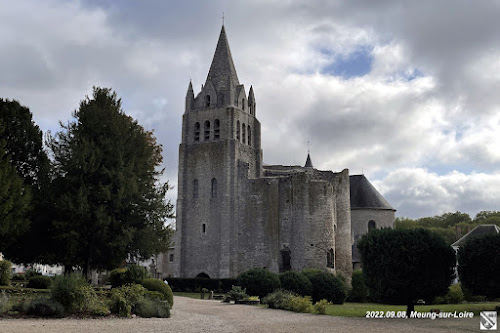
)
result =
(405, 92)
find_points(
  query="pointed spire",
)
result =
(222, 72)
(308, 162)
(251, 101)
(189, 97)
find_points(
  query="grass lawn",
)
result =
(360, 309)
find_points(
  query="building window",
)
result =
(330, 259)
(214, 188)
(238, 130)
(195, 188)
(243, 132)
(197, 131)
(372, 225)
(243, 104)
(249, 136)
(203, 228)
(216, 129)
(171, 257)
(285, 260)
(207, 101)
(207, 130)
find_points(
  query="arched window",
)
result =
(197, 131)
(203, 275)
(216, 129)
(286, 260)
(214, 188)
(238, 130)
(195, 188)
(207, 130)
(249, 136)
(243, 104)
(203, 228)
(372, 225)
(243, 138)
(330, 259)
(207, 101)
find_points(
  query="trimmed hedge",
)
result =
(39, 282)
(259, 282)
(326, 286)
(196, 284)
(161, 287)
(296, 282)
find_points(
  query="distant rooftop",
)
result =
(364, 195)
(480, 230)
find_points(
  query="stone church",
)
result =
(235, 213)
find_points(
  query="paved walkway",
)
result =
(194, 316)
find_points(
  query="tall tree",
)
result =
(24, 150)
(402, 266)
(15, 201)
(112, 205)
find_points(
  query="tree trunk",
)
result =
(410, 308)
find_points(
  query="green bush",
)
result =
(161, 287)
(259, 282)
(5, 272)
(43, 307)
(65, 291)
(237, 293)
(4, 303)
(299, 304)
(39, 282)
(296, 282)
(320, 307)
(278, 299)
(148, 308)
(132, 274)
(327, 286)
(455, 295)
(124, 299)
(359, 291)
(117, 277)
(85, 298)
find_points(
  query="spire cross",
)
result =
(222, 18)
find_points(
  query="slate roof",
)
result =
(309, 163)
(480, 230)
(364, 195)
(222, 72)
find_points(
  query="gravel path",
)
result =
(194, 316)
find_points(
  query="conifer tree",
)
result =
(111, 204)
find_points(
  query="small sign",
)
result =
(488, 320)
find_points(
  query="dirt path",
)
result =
(194, 316)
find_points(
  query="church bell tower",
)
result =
(220, 143)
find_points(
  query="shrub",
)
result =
(148, 308)
(4, 302)
(85, 298)
(39, 282)
(5, 272)
(296, 282)
(133, 274)
(161, 287)
(237, 293)
(124, 299)
(259, 282)
(320, 307)
(43, 307)
(455, 295)
(65, 290)
(277, 299)
(327, 286)
(299, 304)
(117, 277)
(359, 291)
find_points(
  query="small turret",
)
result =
(189, 97)
(251, 101)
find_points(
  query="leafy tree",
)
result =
(487, 217)
(25, 151)
(479, 265)
(111, 204)
(402, 266)
(15, 201)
